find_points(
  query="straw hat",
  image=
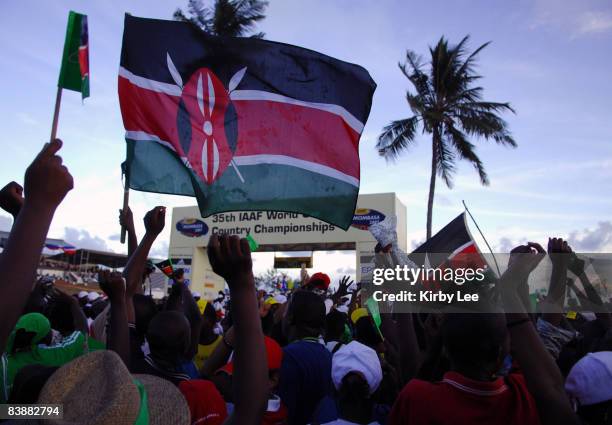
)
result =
(97, 389)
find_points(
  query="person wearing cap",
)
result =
(306, 368)
(589, 385)
(28, 345)
(356, 374)
(318, 282)
(276, 412)
(208, 338)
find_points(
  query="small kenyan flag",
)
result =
(166, 267)
(74, 74)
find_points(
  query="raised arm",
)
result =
(126, 219)
(542, 375)
(47, 182)
(154, 222)
(590, 299)
(118, 337)
(230, 258)
(559, 253)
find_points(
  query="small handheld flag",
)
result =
(166, 267)
(74, 74)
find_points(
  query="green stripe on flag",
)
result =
(269, 187)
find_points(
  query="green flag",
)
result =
(74, 74)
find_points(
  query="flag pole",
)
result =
(483, 237)
(58, 101)
(126, 199)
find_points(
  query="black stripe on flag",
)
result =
(274, 67)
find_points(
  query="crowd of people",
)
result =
(306, 356)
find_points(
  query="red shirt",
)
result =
(458, 400)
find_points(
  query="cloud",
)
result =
(505, 245)
(578, 18)
(114, 237)
(592, 240)
(83, 239)
(346, 270)
(594, 22)
(5, 223)
(159, 250)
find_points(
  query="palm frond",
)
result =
(466, 150)
(486, 124)
(396, 137)
(445, 161)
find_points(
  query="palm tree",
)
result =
(231, 18)
(447, 105)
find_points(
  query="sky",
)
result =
(549, 58)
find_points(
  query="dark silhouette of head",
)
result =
(305, 315)
(334, 325)
(476, 343)
(169, 336)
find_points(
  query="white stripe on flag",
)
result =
(258, 159)
(174, 90)
(145, 83)
(353, 122)
(298, 163)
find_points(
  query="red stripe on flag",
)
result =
(264, 128)
(275, 128)
(149, 111)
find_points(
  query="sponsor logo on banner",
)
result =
(365, 217)
(192, 227)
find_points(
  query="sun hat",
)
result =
(356, 357)
(97, 389)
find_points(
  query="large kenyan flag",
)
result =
(241, 123)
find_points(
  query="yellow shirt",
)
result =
(204, 352)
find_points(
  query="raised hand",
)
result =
(47, 181)
(558, 251)
(112, 284)
(126, 219)
(525, 258)
(155, 220)
(230, 258)
(11, 198)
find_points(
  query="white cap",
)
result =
(92, 296)
(590, 380)
(196, 295)
(82, 294)
(280, 298)
(356, 357)
(343, 309)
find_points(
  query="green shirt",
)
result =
(71, 347)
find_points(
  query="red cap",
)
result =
(205, 402)
(319, 280)
(274, 353)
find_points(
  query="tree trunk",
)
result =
(432, 183)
